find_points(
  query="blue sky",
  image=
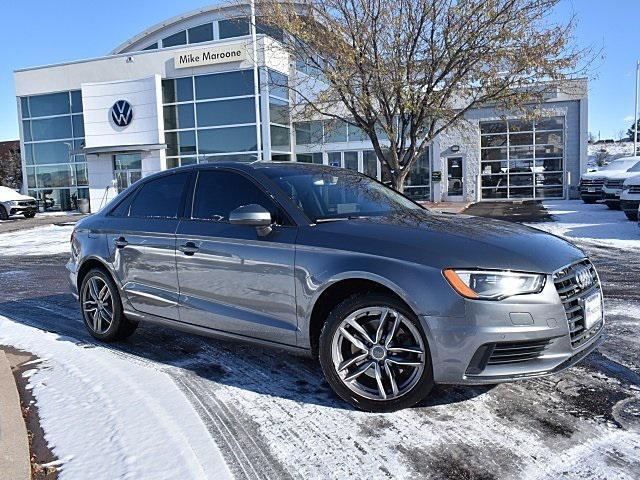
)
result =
(44, 32)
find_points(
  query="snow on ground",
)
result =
(592, 224)
(49, 240)
(110, 416)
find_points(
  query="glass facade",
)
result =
(522, 159)
(212, 117)
(53, 134)
(228, 28)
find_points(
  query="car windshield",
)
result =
(332, 194)
(620, 165)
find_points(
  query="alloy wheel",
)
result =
(97, 305)
(378, 353)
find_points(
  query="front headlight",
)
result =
(493, 285)
(12, 203)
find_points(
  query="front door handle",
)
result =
(120, 242)
(189, 248)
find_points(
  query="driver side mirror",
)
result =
(253, 215)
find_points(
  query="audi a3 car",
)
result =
(592, 183)
(392, 298)
(14, 203)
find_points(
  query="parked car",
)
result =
(14, 203)
(392, 298)
(592, 183)
(613, 185)
(630, 197)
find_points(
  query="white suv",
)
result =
(613, 185)
(14, 203)
(592, 183)
(630, 197)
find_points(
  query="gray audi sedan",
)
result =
(390, 297)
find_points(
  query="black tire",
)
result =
(613, 205)
(352, 304)
(631, 215)
(589, 201)
(29, 214)
(120, 327)
(3, 213)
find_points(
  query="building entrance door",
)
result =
(455, 178)
(127, 169)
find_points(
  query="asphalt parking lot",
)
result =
(273, 416)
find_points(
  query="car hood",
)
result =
(444, 240)
(8, 195)
(624, 175)
(601, 174)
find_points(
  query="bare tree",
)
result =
(10, 166)
(404, 71)
(602, 157)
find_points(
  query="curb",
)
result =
(15, 461)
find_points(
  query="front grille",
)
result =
(514, 352)
(587, 183)
(635, 189)
(28, 203)
(571, 295)
(614, 183)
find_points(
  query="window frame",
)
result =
(137, 188)
(191, 197)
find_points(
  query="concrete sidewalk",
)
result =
(530, 211)
(15, 463)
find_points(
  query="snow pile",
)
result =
(594, 223)
(108, 415)
(49, 240)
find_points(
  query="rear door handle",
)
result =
(189, 248)
(120, 242)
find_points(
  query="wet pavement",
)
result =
(273, 416)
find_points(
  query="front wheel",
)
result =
(375, 355)
(631, 215)
(29, 214)
(102, 308)
(3, 213)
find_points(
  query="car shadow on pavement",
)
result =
(208, 361)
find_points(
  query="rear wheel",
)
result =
(375, 355)
(102, 308)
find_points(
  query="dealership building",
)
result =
(184, 92)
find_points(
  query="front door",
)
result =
(455, 178)
(231, 279)
(142, 245)
(127, 169)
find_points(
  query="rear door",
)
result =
(230, 278)
(143, 244)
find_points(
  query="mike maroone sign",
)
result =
(211, 56)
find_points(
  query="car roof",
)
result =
(263, 165)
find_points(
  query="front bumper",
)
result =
(72, 277)
(457, 342)
(611, 195)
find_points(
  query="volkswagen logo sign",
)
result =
(122, 113)
(584, 278)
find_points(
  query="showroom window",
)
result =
(53, 136)
(522, 159)
(279, 115)
(210, 118)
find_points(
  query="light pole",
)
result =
(635, 112)
(256, 88)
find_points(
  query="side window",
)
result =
(160, 198)
(218, 193)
